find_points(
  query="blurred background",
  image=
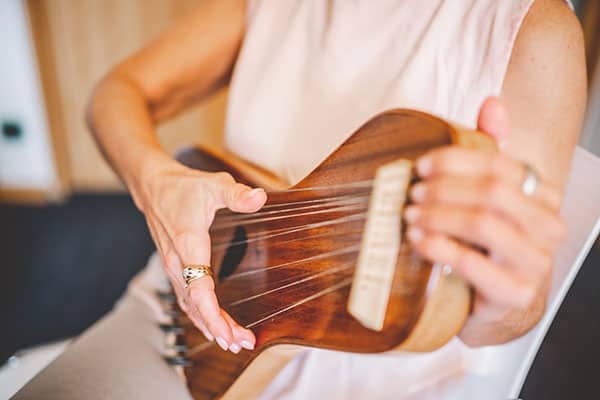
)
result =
(70, 238)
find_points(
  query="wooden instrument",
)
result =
(286, 272)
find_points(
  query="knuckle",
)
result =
(439, 159)
(171, 260)
(433, 191)
(465, 259)
(494, 188)
(223, 177)
(497, 165)
(183, 241)
(427, 246)
(443, 160)
(182, 304)
(481, 223)
(196, 294)
(426, 217)
(199, 293)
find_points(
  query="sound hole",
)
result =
(235, 252)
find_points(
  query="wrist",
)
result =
(147, 167)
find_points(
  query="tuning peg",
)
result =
(178, 360)
(167, 297)
(173, 312)
(171, 328)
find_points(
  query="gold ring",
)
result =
(193, 272)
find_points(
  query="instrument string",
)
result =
(403, 255)
(280, 311)
(303, 202)
(316, 224)
(329, 271)
(273, 212)
(330, 289)
(218, 225)
(221, 245)
(333, 253)
(337, 202)
(358, 184)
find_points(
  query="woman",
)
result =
(304, 75)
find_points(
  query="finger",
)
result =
(485, 230)
(243, 338)
(239, 197)
(489, 279)
(196, 319)
(493, 120)
(538, 222)
(463, 162)
(202, 294)
(194, 248)
(170, 261)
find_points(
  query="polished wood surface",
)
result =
(286, 271)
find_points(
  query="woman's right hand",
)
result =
(179, 204)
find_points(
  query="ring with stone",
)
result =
(194, 272)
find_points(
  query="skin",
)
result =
(466, 196)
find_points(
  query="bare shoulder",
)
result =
(550, 39)
(550, 24)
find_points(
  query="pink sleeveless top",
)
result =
(310, 72)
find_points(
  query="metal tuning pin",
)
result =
(166, 296)
(178, 360)
(173, 313)
(178, 345)
(175, 347)
(171, 328)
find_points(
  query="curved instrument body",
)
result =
(286, 272)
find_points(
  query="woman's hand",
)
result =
(470, 213)
(179, 204)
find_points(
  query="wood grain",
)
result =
(281, 286)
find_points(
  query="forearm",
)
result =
(121, 122)
(509, 325)
(186, 64)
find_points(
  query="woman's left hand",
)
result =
(471, 213)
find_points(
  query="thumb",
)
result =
(241, 198)
(493, 120)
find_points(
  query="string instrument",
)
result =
(323, 263)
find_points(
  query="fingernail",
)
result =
(247, 345)
(417, 192)
(424, 165)
(222, 343)
(254, 192)
(415, 234)
(411, 214)
(209, 337)
(235, 348)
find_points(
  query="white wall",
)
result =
(26, 163)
